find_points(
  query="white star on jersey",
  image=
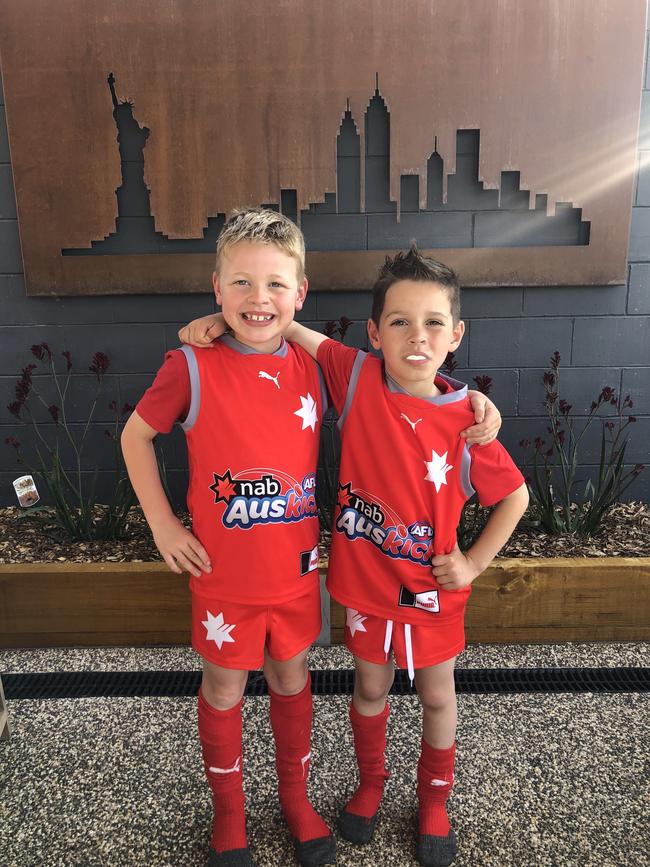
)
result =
(437, 469)
(218, 631)
(307, 412)
(354, 621)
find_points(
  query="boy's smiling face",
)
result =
(259, 291)
(416, 331)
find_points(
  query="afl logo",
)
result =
(421, 530)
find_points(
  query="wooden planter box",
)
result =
(92, 604)
(528, 601)
(541, 600)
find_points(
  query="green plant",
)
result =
(472, 517)
(554, 487)
(330, 445)
(69, 490)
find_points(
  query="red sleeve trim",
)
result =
(336, 361)
(167, 400)
(493, 473)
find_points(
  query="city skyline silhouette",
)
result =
(472, 216)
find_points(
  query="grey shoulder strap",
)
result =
(465, 470)
(352, 385)
(195, 387)
(325, 398)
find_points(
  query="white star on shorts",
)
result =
(354, 621)
(218, 631)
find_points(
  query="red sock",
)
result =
(370, 747)
(291, 717)
(220, 732)
(435, 779)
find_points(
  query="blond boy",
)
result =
(251, 411)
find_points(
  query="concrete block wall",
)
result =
(602, 334)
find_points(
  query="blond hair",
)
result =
(262, 226)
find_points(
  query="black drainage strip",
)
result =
(123, 684)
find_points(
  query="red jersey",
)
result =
(252, 433)
(405, 475)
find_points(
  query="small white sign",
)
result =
(26, 491)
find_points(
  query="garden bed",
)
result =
(541, 588)
(625, 533)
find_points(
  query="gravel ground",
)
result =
(542, 780)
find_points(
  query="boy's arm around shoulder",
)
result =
(335, 360)
(179, 548)
(456, 570)
(204, 331)
(487, 420)
(307, 338)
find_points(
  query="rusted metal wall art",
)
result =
(500, 135)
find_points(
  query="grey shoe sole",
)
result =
(436, 851)
(230, 858)
(357, 829)
(313, 853)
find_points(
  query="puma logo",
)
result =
(437, 782)
(412, 423)
(234, 770)
(264, 375)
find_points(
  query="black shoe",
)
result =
(357, 829)
(230, 858)
(435, 851)
(320, 850)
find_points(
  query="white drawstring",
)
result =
(388, 637)
(409, 652)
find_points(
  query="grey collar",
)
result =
(438, 400)
(229, 341)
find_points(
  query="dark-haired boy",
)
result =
(395, 563)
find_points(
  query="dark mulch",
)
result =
(624, 532)
(25, 539)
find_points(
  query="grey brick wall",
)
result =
(602, 334)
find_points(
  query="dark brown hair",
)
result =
(412, 265)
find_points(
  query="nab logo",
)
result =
(421, 530)
(226, 487)
(370, 510)
(264, 500)
(267, 486)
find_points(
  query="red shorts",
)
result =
(234, 635)
(373, 638)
